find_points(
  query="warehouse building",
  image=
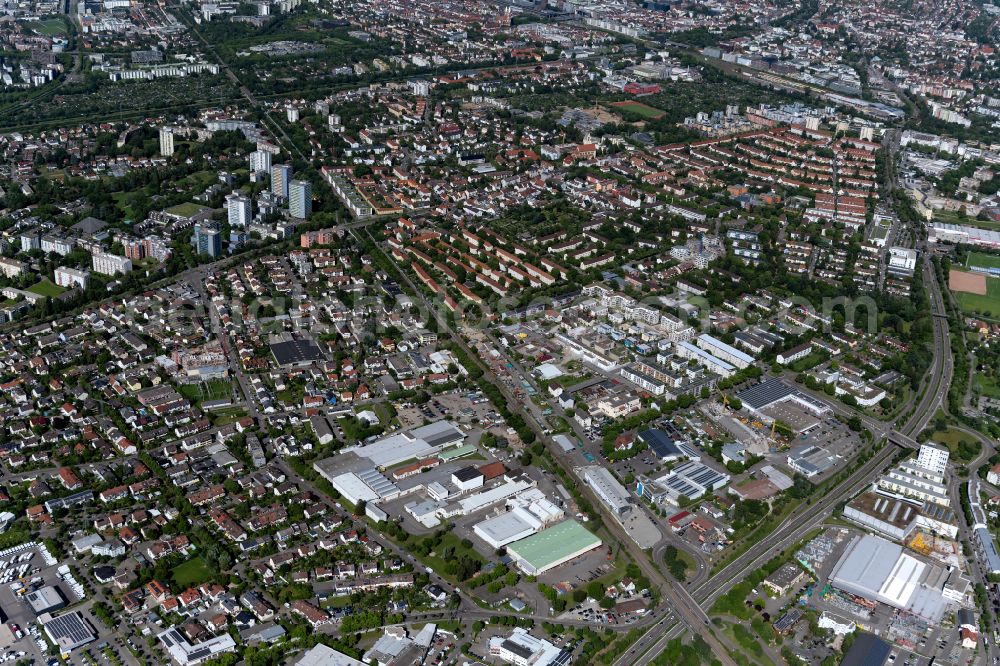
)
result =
(321, 655)
(876, 569)
(415, 444)
(467, 478)
(811, 460)
(526, 514)
(897, 518)
(607, 488)
(68, 631)
(551, 547)
(775, 391)
(667, 446)
(365, 485)
(507, 527)
(867, 650)
(296, 353)
(47, 599)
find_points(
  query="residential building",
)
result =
(300, 199)
(166, 141)
(207, 239)
(281, 177)
(240, 210)
(260, 161)
(71, 277)
(111, 264)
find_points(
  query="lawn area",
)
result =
(193, 572)
(221, 417)
(983, 260)
(811, 361)
(742, 637)
(337, 602)
(949, 437)
(46, 288)
(962, 447)
(449, 540)
(213, 389)
(639, 109)
(49, 27)
(987, 304)
(986, 386)
(185, 209)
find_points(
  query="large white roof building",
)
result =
(878, 570)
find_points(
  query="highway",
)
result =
(809, 516)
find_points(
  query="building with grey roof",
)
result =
(68, 631)
(184, 653)
(773, 391)
(867, 650)
(421, 442)
(322, 655)
(45, 600)
(811, 460)
(896, 518)
(296, 353)
(614, 495)
(879, 570)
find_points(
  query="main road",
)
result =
(681, 604)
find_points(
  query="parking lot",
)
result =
(460, 406)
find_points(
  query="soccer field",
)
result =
(987, 304)
(49, 27)
(981, 260)
(640, 109)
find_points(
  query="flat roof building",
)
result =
(296, 353)
(552, 547)
(523, 649)
(46, 600)
(664, 446)
(811, 460)
(322, 655)
(774, 390)
(68, 631)
(878, 570)
(507, 527)
(612, 493)
(184, 653)
(418, 443)
(867, 650)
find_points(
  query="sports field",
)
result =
(640, 109)
(968, 283)
(976, 293)
(981, 260)
(49, 27)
